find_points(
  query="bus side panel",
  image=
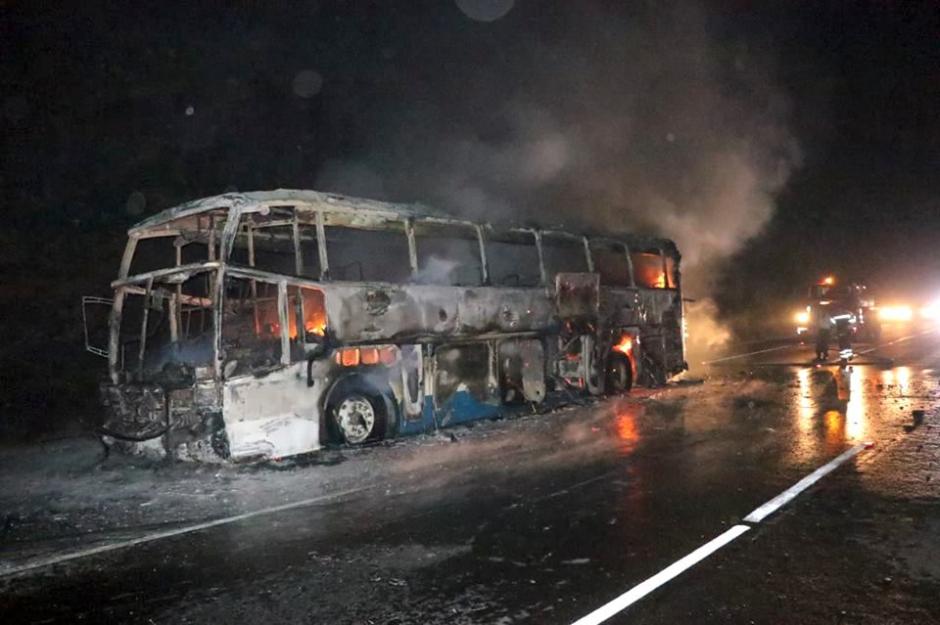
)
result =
(364, 312)
(275, 415)
(465, 387)
(619, 307)
(458, 386)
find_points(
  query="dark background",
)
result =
(112, 112)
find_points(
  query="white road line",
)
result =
(84, 553)
(760, 351)
(895, 341)
(649, 585)
(774, 349)
(567, 489)
(679, 566)
(762, 512)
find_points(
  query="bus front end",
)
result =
(162, 395)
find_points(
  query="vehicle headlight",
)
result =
(895, 313)
(801, 318)
(931, 311)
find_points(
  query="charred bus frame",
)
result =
(216, 350)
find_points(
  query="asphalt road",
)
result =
(547, 518)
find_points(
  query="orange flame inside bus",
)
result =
(267, 319)
(625, 345)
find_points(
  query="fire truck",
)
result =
(847, 302)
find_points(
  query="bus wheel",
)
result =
(619, 375)
(358, 418)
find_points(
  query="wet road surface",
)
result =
(543, 519)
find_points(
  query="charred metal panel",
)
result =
(620, 307)
(411, 368)
(464, 385)
(654, 302)
(275, 415)
(380, 312)
(134, 411)
(661, 333)
(576, 295)
(522, 368)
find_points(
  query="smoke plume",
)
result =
(653, 117)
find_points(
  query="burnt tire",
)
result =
(357, 416)
(619, 375)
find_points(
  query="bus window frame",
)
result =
(476, 228)
(143, 284)
(625, 248)
(585, 249)
(487, 231)
(350, 223)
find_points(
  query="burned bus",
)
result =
(267, 324)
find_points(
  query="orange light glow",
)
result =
(314, 311)
(828, 281)
(355, 356)
(350, 357)
(625, 344)
(835, 428)
(626, 428)
(370, 356)
(625, 424)
(315, 328)
(648, 270)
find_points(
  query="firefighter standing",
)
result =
(824, 325)
(844, 336)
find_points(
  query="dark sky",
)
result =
(796, 137)
(864, 79)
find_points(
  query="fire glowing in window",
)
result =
(313, 311)
(649, 270)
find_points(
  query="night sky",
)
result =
(774, 141)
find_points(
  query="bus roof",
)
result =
(343, 203)
(313, 199)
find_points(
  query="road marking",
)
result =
(871, 349)
(760, 351)
(895, 341)
(567, 489)
(774, 349)
(84, 553)
(649, 585)
(679, 566)
(762, 512)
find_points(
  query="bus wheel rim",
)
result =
(355, 416)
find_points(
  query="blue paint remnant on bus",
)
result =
(461, 407)
(425, 423)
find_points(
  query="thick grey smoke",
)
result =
(649, 118)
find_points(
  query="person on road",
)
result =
(843, 325)
(824, 326)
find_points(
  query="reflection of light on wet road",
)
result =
(805, 420)
(822, 425)
(856, 419)
(805, 416)
(625, 425)
(904, 380)
(835, 429)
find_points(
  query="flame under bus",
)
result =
(268, 324)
